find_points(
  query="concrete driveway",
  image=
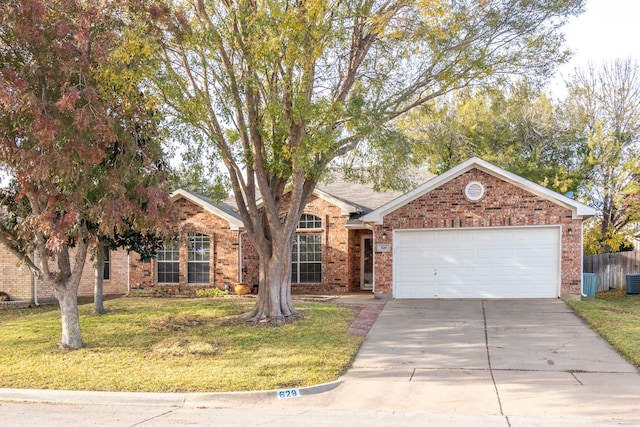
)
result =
(511, 358)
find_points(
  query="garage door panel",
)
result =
(464, 255)
(477, 263)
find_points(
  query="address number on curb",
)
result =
(288, 394)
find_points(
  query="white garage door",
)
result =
(514, 262)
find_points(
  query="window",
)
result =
(169, 263)
(106, 268)
(198, 255)
(306, 256)
(309, 221)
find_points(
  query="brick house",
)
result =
(476, 231)
(328, 249)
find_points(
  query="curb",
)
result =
(107, 398)
(232, 398)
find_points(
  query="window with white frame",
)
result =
(306, 256)
(308, 221)
(168, 262)
(198, 257)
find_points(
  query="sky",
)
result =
(607, 30)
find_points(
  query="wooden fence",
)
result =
(611, 269)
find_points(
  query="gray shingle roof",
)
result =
(359, 195)
(363, 196)
(224, 205)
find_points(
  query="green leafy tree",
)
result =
(277, 90)
(133, 162)
(67, 103)
(195, 177)
(603, 113)
(514, 126)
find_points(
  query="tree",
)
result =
(277, 90)
(145, 244)
(133, 163)
(603, 111)
(67, 103)
(514, 126)
(193, 176)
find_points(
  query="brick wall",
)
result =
(340, 251)
(15, 280)
(338, 276)
(337, 244)
(335, 249)
(117, 284)
(503, 205)
(223, 262)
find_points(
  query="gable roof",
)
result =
(356, 198)
(345, 206)
(579, 210)
(221, 209)
(363, 196)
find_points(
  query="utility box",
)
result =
(633, 283)
(589, 284)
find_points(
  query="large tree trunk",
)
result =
(286, 303)
(98, 299)
(274, 304)
(65, 281)
(68, 299)
(274, 244)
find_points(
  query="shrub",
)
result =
(211, 292)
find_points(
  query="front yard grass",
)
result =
(176, 345)
(616, 317)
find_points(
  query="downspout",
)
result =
(582, 261)
(215, 261)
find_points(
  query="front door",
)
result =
(366, 268)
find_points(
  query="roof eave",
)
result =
(358, 226)
(235, 224)
(345, 207)
(579, 210)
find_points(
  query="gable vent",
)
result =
(474, 191)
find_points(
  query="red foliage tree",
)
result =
(67, 107)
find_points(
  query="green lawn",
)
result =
(171, 345)
(616, 317)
